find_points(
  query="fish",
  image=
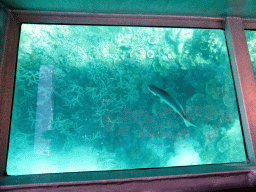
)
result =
(169, 100)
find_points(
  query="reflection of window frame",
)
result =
(197, 178)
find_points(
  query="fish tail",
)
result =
(188, 124)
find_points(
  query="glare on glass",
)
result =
(94, 98)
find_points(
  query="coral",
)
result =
(30, 77)
(214, 88)
(185, 153)
(110, 95)
(167, 56)
(138, 54)
(72, 97)
(140, 157)
(210, 134)
(110, 120)
(185, 61)
(208, 154)
(123, 41)
(228, 100)
(223, 144)
(197, 77)
(197, 108)
(91, 138)
(172, 36)
(166, 67)
(107, 160)
(214, 43)
(231, 144)
(153, 39)
(150, 54)
(101, 98)
(21, 139)
(65, 133)
(169, 51)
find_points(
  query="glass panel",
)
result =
(251, 42)
(91, 98)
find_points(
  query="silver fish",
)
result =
(169, 100)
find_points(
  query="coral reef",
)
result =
(232, 143)
(150, 54)
(214, 89)
(100, 98)
(199, 109)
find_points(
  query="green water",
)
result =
(82, 100)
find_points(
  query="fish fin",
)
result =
(181, 107)
(188, 124)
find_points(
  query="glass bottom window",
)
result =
(94, 98)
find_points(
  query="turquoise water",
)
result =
(250, 37)
(92, 98)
